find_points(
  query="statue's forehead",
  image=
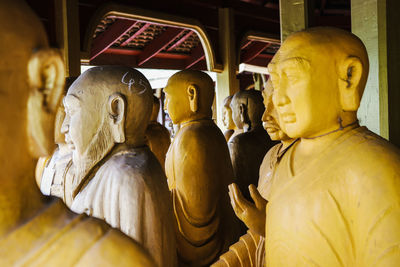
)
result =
(80, 86)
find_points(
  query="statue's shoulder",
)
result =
(368, 161)
(131, 166)
(366, 146)
(201, 131)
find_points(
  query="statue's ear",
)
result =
(243, 113)
(192, 93)
(116, 108)
(47, 76)
(46, 79)
(350, 74)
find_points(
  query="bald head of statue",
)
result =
(106, 106)
(247, 109)
(319, 76)
(189, 96)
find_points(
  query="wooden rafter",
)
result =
(110, 36)
(158, 44)
(253, 51)
(136, 34)
(180, 40)
(246, 44)
(196, 55)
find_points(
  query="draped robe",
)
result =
(129, 191)
(199, 171)
(340, 209)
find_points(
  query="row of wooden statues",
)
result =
(328, 193)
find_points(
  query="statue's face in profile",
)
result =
(305, 96)
(270, 117)
(176, 101)
(236, 116)
(82, 118)
(227, 117)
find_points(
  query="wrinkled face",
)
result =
(270, 117)
(82, 118)
(305, 93)
(176, 101)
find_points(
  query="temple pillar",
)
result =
(295, 15)
(227, 83)
(68, 39)
(375, 22)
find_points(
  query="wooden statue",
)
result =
(250, 249)
(35, 231)
(231, 129)
(157, 136)
(116, 177)
(336, 193)
(248, 149)
(199, 170)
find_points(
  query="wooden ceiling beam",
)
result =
(136, 34)
(181, 40)
(130, 60)
(246, 44)
(253, 51)
(158, 44)
(196, 55)
(110, 36)
(137, 52)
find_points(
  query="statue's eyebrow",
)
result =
(300, 61)
(72, 96)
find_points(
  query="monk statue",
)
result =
(115, 176)
(335, 197)
(35, 231)
(231, 129)
(199, 170)
(157, 136)
(248, 149)
(250, 249)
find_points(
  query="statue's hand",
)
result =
(253, 215)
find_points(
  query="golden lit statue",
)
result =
(250, 249)
(115, 175)
(157, 136)
(199, 171)
(248, 149)
(227, 120)
(335, 199)
(35, 231)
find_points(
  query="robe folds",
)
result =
(58, 237)
(199, 171)
(340, 209)
(129, 191)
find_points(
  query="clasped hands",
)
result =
(253, 215)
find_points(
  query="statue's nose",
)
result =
(65, 125)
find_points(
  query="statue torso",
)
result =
(330, 212)
(199, 170)
(129, 191)
(247, 151)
